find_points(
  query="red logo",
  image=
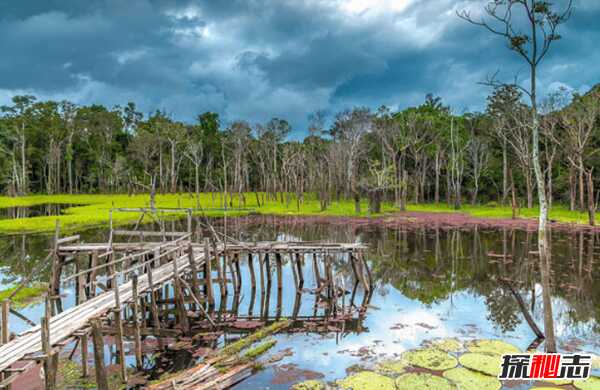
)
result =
(545, 366)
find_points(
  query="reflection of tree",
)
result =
(501, 309)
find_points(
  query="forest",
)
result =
(423, 154)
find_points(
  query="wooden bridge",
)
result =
(165, 288)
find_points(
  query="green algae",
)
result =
(309, 385)
(245, 342)
(366, 380)
(430, 358)
(446, 345)
(466, 379)
(495, 347)
(592, 383)
(481, 362)
(423, 381)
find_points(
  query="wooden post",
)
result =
(369, 276)
(268, 270)
(98, 341)
(136, 323)
(279, 271)
(56, 269)
(251, 269)
(50, 357)
(316, 271)
(220, 272)
(92, 274)
(119, 330)
(179, 301)
(84, 355)
(300, 273)
(193, 270)
(189, 221)
(238, 271)
(154, 307)
(208, 290)
(5, 313)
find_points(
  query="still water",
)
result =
(430, 283)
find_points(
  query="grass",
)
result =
(94, 209)
(558, 213)
(24, 296)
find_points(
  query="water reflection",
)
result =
(430, 282)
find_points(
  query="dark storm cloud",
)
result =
(258, 59)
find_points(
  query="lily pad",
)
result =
(559, 382)
(309, 385)
(481, 362)
(466, 379)
(423, 381)
(430, 358)
(392, 367)
(366, 380)
(446, 345)
(496, 347)
(592, 383)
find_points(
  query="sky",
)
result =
(258, 59)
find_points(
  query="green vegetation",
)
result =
(471, 380)
(495, 347)
(366, 380)
(416, 381)
(430, 358)
(245, 342)
(25, 296)
(309, 385)
(481, 362)
(94, 209)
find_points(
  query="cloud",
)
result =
(264, 58)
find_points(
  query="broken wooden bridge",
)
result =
(166, 285)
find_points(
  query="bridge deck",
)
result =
(67, 323)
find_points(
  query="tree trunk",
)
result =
(436, 195)
(543, 229)
(504, 172)
(591, 203)
(572, 189)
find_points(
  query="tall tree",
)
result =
(531, 42)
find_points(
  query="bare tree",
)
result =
(532, 46)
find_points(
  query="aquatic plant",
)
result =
(366, 380)
(466, 379)
(309, 385)
(592, 383)
(496, 347)
(423, 381)
(25, 296)
(430, 358)
(392, 367)
(481, 362)
(446, 345)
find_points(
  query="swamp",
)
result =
(441, 297)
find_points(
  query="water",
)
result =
(40, 210)
(430, 283)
